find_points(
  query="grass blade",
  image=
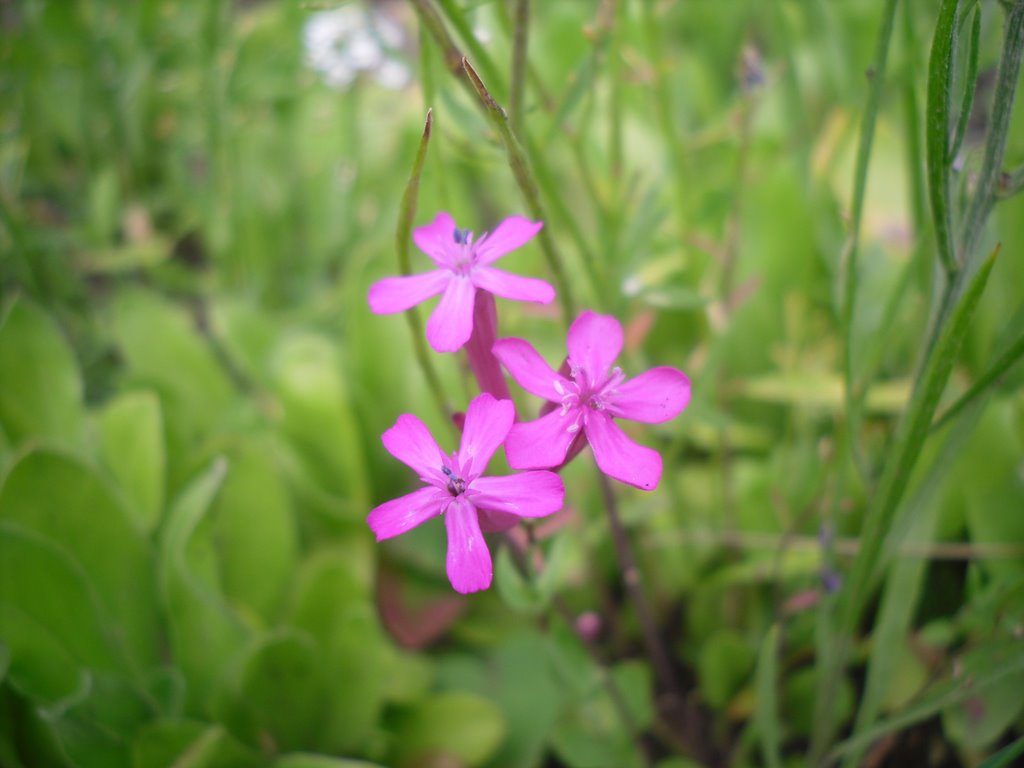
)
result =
(937, 154)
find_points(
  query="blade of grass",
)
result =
(457, 18)
(1002, 364)
(848, 267)
(905, 579)
(1006, 659)
(767, 713)
(836, 639)
(403, 233)
(1006, 756)
(937, 154)
(969, 86)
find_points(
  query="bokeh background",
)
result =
(195, 197)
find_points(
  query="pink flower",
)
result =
(463, 267)
(456, 489)
(590, 399)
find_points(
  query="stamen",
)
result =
(456, 485)
(559, 388)
(461, 236)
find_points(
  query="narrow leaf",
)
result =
(969, 86)
(937, 154)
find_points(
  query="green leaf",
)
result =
(318, 415)
(253, 526)
(97, 729)
(320, 761)
(66, 501)
(50, 621)
(190, 744)
(937, 155)
(40, 386)
(279, 697)
(204, 633)
(357, 659)
(519, 594)
(131, 437)
(1005, 757)
(767, 713)
(725, 662)
(991, 666)
(164, 349)
(468, 728)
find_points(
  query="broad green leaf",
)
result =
(50, 621)
(725, 662)
(254, 527)
(190, 744)
(279, 696)
(163, 349)
(977, 721)
(66, 501)
(40, 386)
(97, 730)
(299, 760)
(356, 664)
(131, 436)
(318, 416)
(468, 728)
(205, 634)
(327, 584)
(518, 593)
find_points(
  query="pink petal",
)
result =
(437, 239)
(487, 424)
(513, 232)
(529, 370)
(395, 517)
(620, 457)
(528, 494)
(594, 341)
(514, 287)
(496, 522)
(654, 396)
(482, 362)
(397, 294)
(541, 443)
(451, 322)
(469, 561)
(411, 443)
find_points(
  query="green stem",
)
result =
(518, 83)
(524, 178)
(854, 397)
(995, 146)
(406, 214)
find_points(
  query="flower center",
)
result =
(456, 485)
(582, 395)
(465, 254)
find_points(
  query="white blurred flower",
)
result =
(342, 43)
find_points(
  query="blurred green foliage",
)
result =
(192, 390)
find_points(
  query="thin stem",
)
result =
(522, 559)
(633, 582)
(995, 146)
(855, 396)
(407, 212)
(517, 85)
(520, 166)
